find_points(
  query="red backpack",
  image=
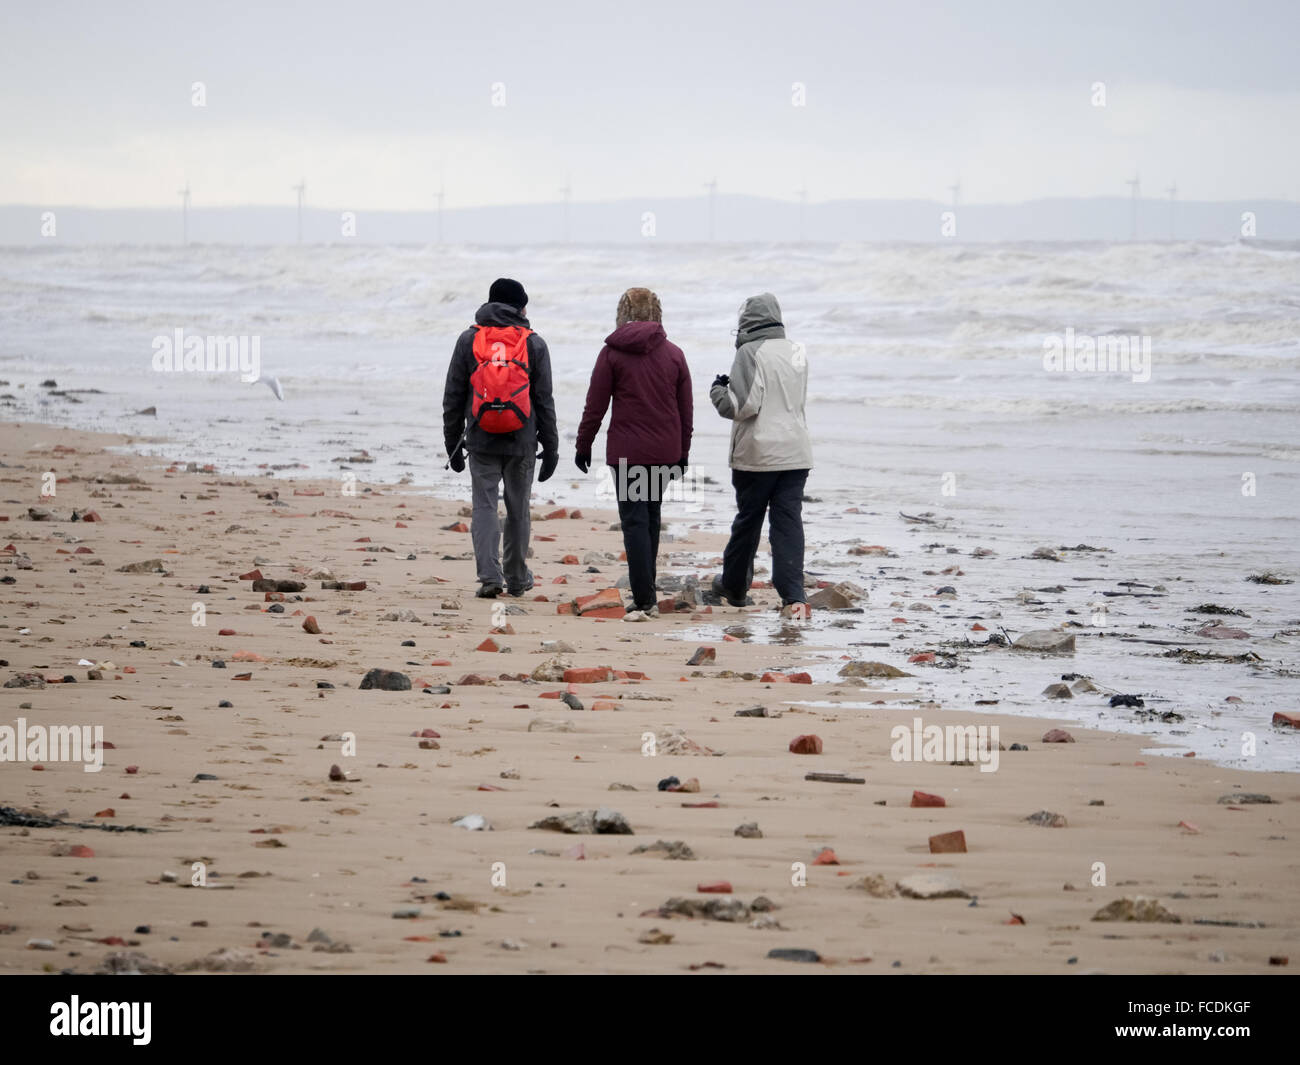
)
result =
(499, 380)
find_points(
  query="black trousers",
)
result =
(640, 492)
(759, 494)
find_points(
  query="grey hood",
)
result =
(760, 319)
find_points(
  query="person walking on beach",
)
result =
(497, 405)
(649, 438)
(771, 454)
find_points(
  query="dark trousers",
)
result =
(640, 492)
(780, 495)
(511, 476)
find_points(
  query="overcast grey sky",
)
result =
(368, 101)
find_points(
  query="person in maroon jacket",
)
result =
(649, 438)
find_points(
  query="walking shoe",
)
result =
(796, 611)
(517, 592)
(721, 593)
(487, 590)
(636, 615)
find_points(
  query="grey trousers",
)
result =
(513, 474)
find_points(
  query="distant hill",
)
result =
(736, 218)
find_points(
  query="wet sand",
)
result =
(286, 850)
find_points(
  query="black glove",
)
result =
(457, 460)
(550, 459)
(722, 379)
(582, 460)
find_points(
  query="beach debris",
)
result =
(1058, 691)
(1246, 798)
(752, 711)
(749, 830)
(1138, 908)
(149, 565)
(541, 724)
(714, 887)
(1214, 608)
(1281, 717)
(948, 843)
(1057, 735)
(1217, 631)
(674, 849)
(702, 655)
(552, 670)
(385, 680)
(808, 744)
(473, 823)
(729, 909)
(11, 817)
(931, 886)
(603, 821)
(1268, 577)
(1127, 700)
(793, 954)
(1047, 819)
(877, 886)
(1045, 641)
(838, 597)
(924, 798)
(131, 963)
(871, 669)
(25, 680)
(675, 741)
(654, 937)
(834, 778)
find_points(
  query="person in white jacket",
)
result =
(771, 454)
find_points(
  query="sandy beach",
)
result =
(369, 872)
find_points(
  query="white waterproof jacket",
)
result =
(766, 394)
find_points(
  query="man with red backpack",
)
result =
(498, 407)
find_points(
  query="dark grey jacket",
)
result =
(457, 400)
(767, 393)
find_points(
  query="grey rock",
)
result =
(932, 886)
(1045, 641)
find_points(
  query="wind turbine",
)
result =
(955, 189)
(712, 186)
(566, 194)
(1173, 198)
(184, 194)
(803, 203)
(1135, 183)
(300, 188)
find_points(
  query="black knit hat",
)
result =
(507, 290)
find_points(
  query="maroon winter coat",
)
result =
(647, 378)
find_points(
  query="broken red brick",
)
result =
(593, 675)
(808, 744)
(948, 843)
